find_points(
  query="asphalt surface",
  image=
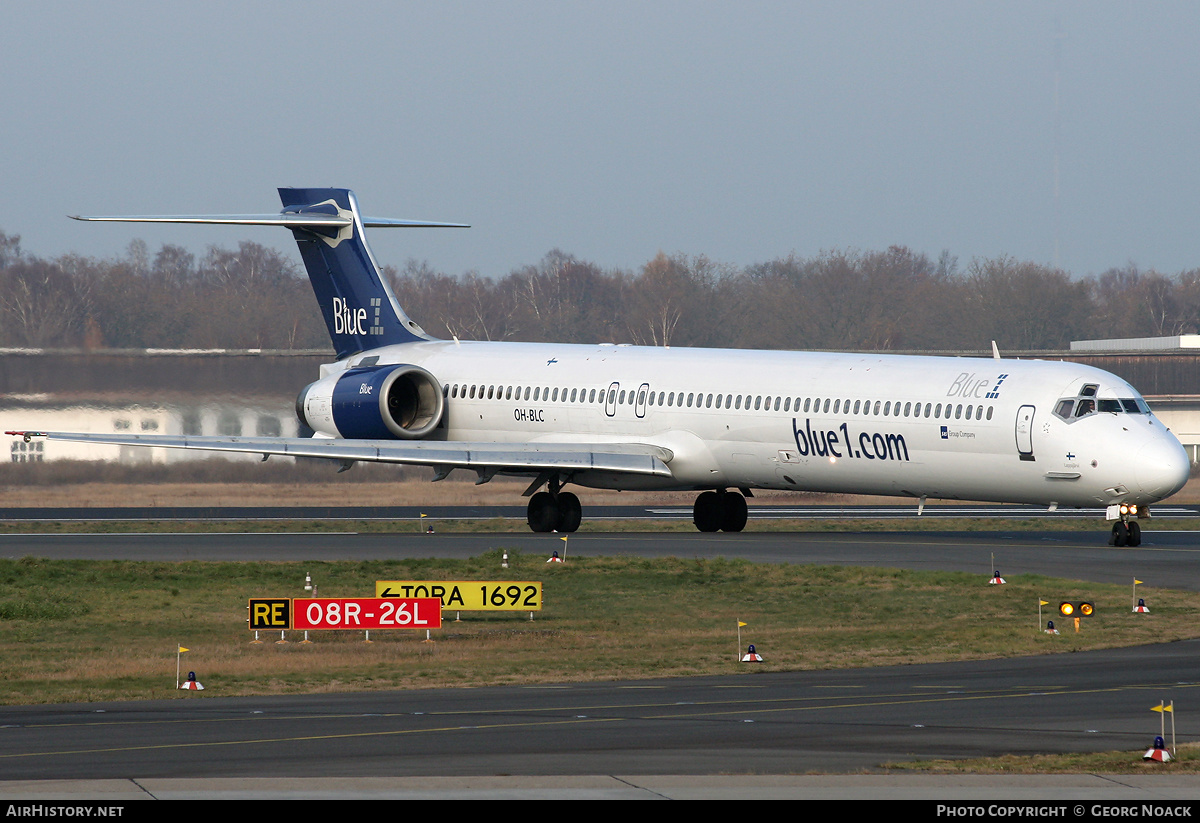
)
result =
(1164, 559)
(601, 513)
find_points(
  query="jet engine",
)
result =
(375, 403)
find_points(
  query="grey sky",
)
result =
(612, 130)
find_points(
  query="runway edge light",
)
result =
(1159, 751)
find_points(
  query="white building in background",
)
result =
(26, 412)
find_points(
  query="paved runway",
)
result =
(1169, 559)
(779, 723)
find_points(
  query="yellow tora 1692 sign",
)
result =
(469, 595)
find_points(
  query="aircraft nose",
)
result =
(1162, 468)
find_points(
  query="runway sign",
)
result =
(469, 595)
(346, 613)
(270, 613)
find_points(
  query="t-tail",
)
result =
(359, 308)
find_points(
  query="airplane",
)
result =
(719, 422)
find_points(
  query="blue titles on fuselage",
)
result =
(832, 443)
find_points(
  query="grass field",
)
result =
(74, 630)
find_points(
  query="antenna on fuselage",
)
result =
(995, 351)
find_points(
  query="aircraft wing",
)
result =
(625, 458)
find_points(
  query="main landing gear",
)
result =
(554, 511)
(720, 511)
(1126, 531)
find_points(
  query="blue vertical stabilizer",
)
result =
(358, 305)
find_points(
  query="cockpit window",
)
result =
(1073, 408)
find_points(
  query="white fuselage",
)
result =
(941, 427)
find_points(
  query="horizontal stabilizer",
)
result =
(291, 220)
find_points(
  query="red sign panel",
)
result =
(366, 613)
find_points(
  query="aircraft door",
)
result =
(610, 399)
(639, 407)
(1025, 432)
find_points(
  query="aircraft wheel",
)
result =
(542, 513)
(1120, 535)
(570, 513)
(706, 512)
(1135, 534)
(733, 512)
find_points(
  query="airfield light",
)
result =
(1083, 608)
(1066, 609)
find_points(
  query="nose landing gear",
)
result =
(1126, 531)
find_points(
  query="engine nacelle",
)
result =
(374, 403)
